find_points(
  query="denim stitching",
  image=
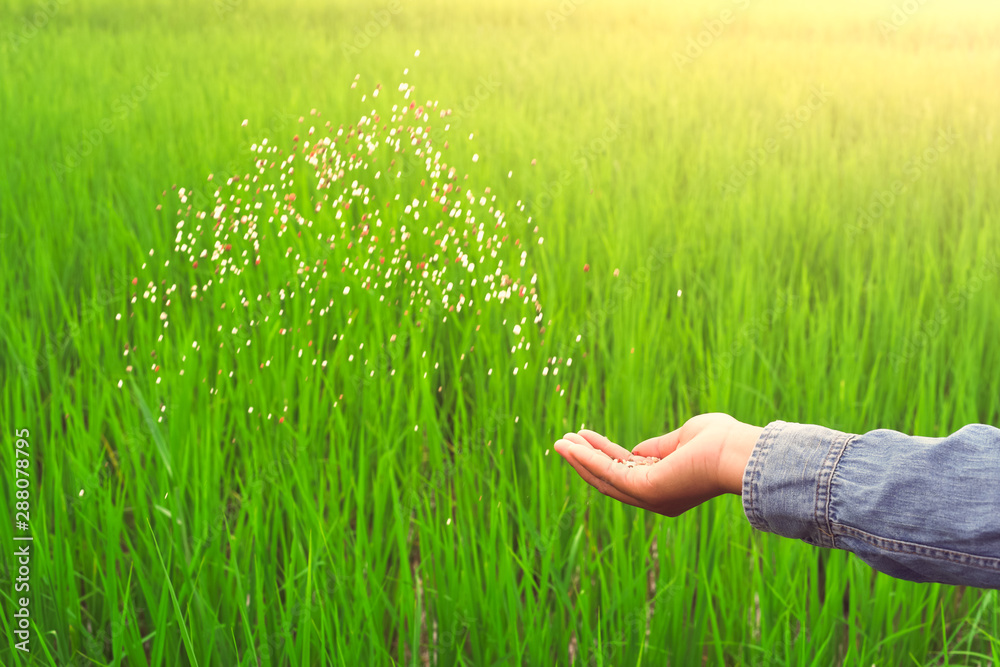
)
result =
(748, 484)
(897, 546)
(824, 490)
(750, 479)
(820, 498)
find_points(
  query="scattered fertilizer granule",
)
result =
(634, 460)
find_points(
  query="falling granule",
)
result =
(586, 267)
(678, 292)
(374, 204)
(245, 121)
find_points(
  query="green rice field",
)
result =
(302, 413)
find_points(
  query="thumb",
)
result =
(660, 446)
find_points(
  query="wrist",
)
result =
(736, 451)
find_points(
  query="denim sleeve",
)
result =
(923, 509)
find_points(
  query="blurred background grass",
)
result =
(756, 177)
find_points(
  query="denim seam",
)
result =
(898, 546)
(752, 475)
(824, 488)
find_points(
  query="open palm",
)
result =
(702, 459)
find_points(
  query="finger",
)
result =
(601, 472)
(632, 481)
(625, 480)
(569, 451)
(574, 439)
(602, 443)
(661, 446)
(578, 439)
(562, 447)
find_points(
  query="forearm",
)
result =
(924, 509)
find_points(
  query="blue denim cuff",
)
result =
(917, 508)
(786, 484)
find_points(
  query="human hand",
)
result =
(704, 458)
